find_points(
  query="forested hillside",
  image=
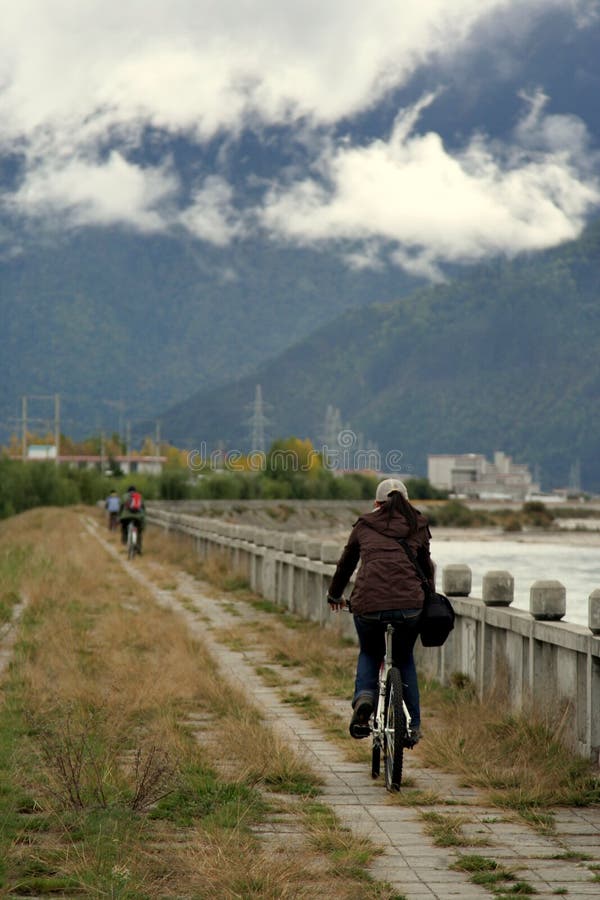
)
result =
(107, 315)
(504, 358)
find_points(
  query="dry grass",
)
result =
(447, 830)
(518, 759)
(96, 708)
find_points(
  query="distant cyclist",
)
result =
(132, 510)
(112, 504)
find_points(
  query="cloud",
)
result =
(76, 68)
(424, 205)
(553, 133)
(114, 191)
(117, 192)
(211, 216)
(82, 82)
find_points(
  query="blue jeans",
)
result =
(371, 628)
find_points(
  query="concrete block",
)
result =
(278, 540)
(300, 545)
(313, 548)
(456, 580)
(260, 537)
(330, 552)
(498, 588)
(287, 542)
(247, 533)
(547, 600)
(594, 611)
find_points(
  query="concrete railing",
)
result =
(534, 659)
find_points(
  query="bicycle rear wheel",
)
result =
(131, 540)
(394, 730)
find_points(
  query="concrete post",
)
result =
(313, 548)
(287, 543)
(498, 588)
(456, 580)
(594, 611)
(300, 547)
(330, 552)
(260, 537)
(547, 600)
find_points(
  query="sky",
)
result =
(83, 84)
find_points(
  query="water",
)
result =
(575, 566)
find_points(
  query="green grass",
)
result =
(13, 561)
(572, 855)
(541, 820)
(235, 584)
(483, 871)
(447, 830)
(202, 797)
(518, 889)
(350, 854)
(415, 797)
(269, 676)
(490, 874)
(232, 609)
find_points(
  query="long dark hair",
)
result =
(397, 502)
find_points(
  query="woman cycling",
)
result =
(387, 591)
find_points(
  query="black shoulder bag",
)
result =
(437, 618)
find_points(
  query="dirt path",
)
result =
(567, 862)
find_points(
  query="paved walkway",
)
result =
(410, 862)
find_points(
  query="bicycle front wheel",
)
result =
(375, 760)
(394, 730)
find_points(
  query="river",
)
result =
(573, 559)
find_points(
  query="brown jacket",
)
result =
(386, 578)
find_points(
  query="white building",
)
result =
(41, 451)
(472, 475)
(129, 465)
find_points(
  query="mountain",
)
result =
(105, 316)
(505, 357)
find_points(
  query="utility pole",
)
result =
(258, 423)
(57, 426)
(24, 426)
(575, 477)
(157, 439)
(128, 446)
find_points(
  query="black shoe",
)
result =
(413, 737)
(359, 724)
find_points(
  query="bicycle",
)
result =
(391, 721)
(132, 539)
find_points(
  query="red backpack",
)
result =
(134, 504)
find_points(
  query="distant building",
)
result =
(472, 475)
(41, 451)
(129, 465)
(145, 465)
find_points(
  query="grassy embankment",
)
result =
(110, 785)
(517, 759)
